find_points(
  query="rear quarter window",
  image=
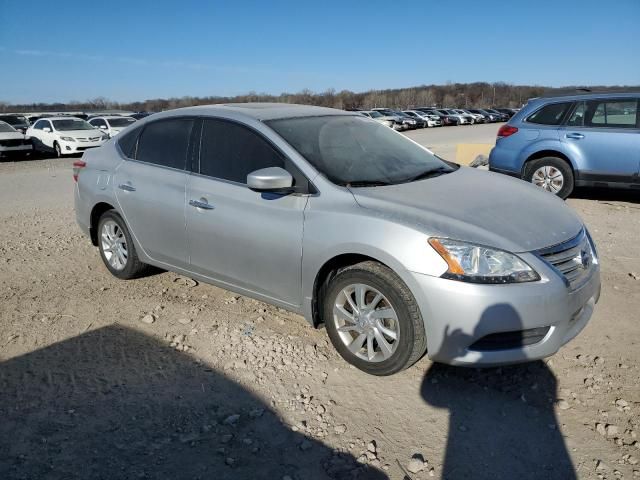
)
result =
(128, 143)
(551, 114)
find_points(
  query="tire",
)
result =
(57, 149)
(112, 224)
(402, 318)
(547, 172)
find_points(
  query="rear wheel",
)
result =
(552, 174)
(373, 320)
(117, 249)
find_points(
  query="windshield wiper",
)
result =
(434, 172)
(367, 183)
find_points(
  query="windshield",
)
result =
(120, 122)
(14, 120)
(6, 128)
(69, 124)
(352, 150)
(375, 114)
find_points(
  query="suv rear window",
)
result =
(551, 114)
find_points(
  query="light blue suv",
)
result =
(560, 142)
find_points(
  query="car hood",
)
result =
(11, 136)
(477, 206)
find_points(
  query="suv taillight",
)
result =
(77, 166)
(506, 131)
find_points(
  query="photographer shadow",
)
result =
(114, 403)
(502, 423)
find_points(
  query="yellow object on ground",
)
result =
(468, 152)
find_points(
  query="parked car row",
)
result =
(423, 117)
(59, 134)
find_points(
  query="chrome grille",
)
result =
(573, 259)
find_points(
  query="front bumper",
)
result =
(69, 148)
(16, 148)
(458, 315)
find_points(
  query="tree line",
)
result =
(454, 95)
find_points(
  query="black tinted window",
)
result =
(551, 114)
(231, 151)
(128, 141)
(165, 142)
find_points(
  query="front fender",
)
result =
(400, 247)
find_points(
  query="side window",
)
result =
(577, 117)
(612, 113)
(128, 143)
(165, 142)
(38, 125)
(230, 151)
(551, 114)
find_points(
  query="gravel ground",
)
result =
(163, 377)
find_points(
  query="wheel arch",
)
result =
(547, 153)
(327, 271)
(96, 212)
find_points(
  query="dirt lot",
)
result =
(219, 386)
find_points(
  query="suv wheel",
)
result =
(373, 320)
(116, 247)
(552, 174)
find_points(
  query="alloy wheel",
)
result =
(548, 178)
(114, 245)
(366, 322)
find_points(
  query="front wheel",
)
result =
(552, 174)
(373, 320)
(58, 150)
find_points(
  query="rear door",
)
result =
(605, 135)
(150, 188)
(238, 236)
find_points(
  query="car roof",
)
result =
(585, 95)
(67, 117)
(257, 111)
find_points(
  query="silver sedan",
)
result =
(338, 218)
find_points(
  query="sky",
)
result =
(141, 49)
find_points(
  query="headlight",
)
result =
(104, 137)
(477, 264)
(592, 246)
(68, 139)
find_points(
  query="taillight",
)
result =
(506, 131)
(77, 166)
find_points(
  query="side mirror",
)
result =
(46, 129)
(270, 179)
(103, 127)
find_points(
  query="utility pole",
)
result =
(494, 97)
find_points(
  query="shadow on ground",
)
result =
(114, 403)
(608, 194)
(502, 423)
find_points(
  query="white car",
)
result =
(12, 141)
(476, 116)
(65, 135)
(112, 125)
(378, 117)
(432, 120)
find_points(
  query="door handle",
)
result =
(575, 136)
(126, 187)
(202, 205)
